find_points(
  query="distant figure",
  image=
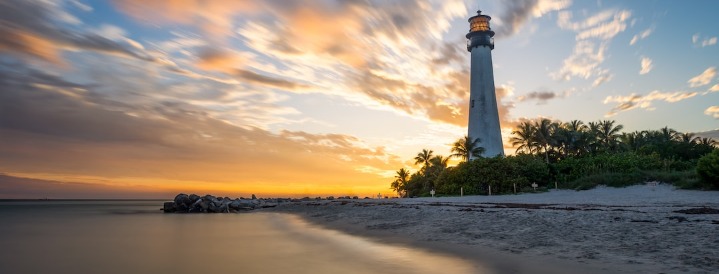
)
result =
(379, 195)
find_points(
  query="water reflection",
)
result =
(112, 238)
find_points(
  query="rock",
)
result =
(193, 198)
(330, 198)
(182, 208)
(193, 203)
(209, 198)
(168, 207)
(182, 199)
(223, 208)
(204, 205)
(213, 208)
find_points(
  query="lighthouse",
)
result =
(483, 112)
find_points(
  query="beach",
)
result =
(650, 228)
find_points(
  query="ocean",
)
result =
(136, 237)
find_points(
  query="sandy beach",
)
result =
(640, 229)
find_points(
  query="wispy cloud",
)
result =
(34, 29)
(698, 41)
(593, 36)
(703, 79)
(517, 13)
(640, 36)
(712, 111)
(646, 66)
(180, 141)
(633, 101)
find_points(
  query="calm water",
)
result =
(135, 237)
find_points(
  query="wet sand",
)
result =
(648, 228)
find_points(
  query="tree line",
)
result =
(571, 154)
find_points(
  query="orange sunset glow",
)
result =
(145, 99)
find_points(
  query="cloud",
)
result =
(640, 36)
(707, 41)
(215, 18)
(714, 88)
(646, 66)
(703, 79)
(712, 111)
(370, 44)
(518, 13)
(540, 96)
(219, 59)
(44, 118)
(593, 35)
(14, 187)
(602, 78)
(603, 25)
(584, 62)
(632, 101)
(267, 80)
(34, 29)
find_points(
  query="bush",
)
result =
(502, 174)
(573, 169)
(708, 168)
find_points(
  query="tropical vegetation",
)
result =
(573, 155)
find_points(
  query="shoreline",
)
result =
(606, 230)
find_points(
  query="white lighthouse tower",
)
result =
(483, 112)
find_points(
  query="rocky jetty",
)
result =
(192, 203)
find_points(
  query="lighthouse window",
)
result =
(472, 103)
(479, 24)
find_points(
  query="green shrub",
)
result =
(502, 174)
(708, 168)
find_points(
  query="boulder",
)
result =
(182, 207)
(168, 207)
(182, 199)
(204, 205)
(213, 208)
(194, 198)
(193, 203)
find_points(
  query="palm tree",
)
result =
(422, 158)
(667, 134)
(439, 162)
(564, 139)
(708, 142)
(631, 141)
(400, 183)
(579, 137)
(576, 126)
(688, 138)
(608, 134)
(466, 149)
(544, 129)
(523, 137)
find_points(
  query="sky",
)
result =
(145, 99)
